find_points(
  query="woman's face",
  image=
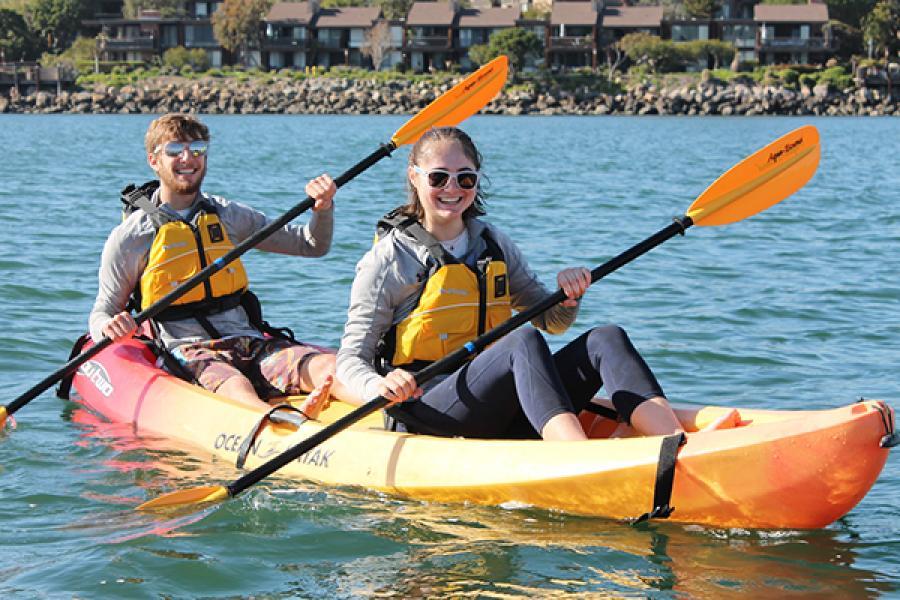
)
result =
(443, 205)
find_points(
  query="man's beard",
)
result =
(167, 176)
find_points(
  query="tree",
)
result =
(236, 24)
(880, 28)
(850, 12)
(658, 54)
(702, 50)
(615, 56)
(57, 21)
(83, 50)
(847, 39)
(16, 40)
(378, 41)
(516, 43)
(702, 9)
(395, 9)
(180, 57)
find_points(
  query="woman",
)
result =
(438, 277)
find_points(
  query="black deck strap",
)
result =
(270, 416)
(891, 438)
(665, 478)
(603, 411)
(65, 384)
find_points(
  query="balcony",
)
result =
(331, 44)
(740, 42)
(571, 43)
(285, 42)
(147, 42)
(439, 42)
(794, 43)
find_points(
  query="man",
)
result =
(174, 233)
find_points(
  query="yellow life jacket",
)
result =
(180, 249)
(457, 304)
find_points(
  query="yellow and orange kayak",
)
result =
(753, 468)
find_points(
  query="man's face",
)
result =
(182, 173)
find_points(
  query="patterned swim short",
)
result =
(272, 365)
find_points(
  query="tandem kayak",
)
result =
(756, 469)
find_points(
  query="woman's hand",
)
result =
(121, 326)
(322, 190)
(399, 386)
(574, 282)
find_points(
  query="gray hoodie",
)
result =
(127, 249)
(389, 280)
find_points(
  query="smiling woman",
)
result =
(437, 279)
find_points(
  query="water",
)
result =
(794, 308)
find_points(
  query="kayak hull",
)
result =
(765, 469)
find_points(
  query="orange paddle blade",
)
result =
(764, 178)
(458, 103)
(198, 495)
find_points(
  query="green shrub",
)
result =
(789, 77)
(837, 77)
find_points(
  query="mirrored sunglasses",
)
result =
(440, 178)
(173, 149)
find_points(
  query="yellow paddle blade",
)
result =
(2, 416)
(458, 103)
(198, 495)
(764, 178)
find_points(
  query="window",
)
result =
(357, 37)
(199, 35)
(201, 9)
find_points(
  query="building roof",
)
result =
(790, 13)
(573, 13)
(430, 13)
(632, 16)
(488, 17)
(290, 12)
(348, 16)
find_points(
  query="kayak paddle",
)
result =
(456, 104)
(756, 183)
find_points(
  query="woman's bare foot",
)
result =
(318, 400)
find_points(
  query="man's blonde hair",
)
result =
(175, 126)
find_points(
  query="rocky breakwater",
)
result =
(362, 96)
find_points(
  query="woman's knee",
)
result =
(528, 337)
(608, 337)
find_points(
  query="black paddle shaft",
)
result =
(455, 359)
(383, 151)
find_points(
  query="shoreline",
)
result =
(362, 96)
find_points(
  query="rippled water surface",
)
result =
(798, 307)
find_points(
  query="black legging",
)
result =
(512, 389)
